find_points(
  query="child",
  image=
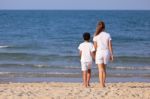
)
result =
(86, 52)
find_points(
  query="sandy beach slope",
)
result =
(52, 90)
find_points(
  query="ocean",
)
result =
(41, 45)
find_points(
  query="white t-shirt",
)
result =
(102, 40)
(86, 48)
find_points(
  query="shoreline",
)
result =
(67, 90)
(72, 80)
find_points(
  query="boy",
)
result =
(86, 52)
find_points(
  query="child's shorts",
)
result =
(102, 57)
(85, 66)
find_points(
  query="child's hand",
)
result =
(94, 59)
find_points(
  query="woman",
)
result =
(104, 51)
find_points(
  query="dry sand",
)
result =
(52, 90)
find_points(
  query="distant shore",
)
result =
(61, 90)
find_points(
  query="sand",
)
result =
(52, 90)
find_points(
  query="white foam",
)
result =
(132, 68)
(3, 46)
(4, 73)
(40, 65)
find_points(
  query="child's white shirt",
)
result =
(86, 48)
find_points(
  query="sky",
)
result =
(76, 4)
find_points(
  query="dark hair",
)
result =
(86, 36)
(100, 27)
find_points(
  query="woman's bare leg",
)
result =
(102, 75)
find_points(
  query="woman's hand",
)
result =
(111, 58)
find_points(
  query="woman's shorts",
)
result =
(85, 66)
(102, 57)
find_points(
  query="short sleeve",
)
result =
(109, 37)
(79, 47)
(94, 39)
(92, 48)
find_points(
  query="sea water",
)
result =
(42, 45)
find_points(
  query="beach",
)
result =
(61, 90)
(42, 46)
(39, 57)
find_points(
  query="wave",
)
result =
(1, 73)
(133, 58)
(23, 65)
(130, 67)
(59, 73)
(65, 55)
(64, 74)
(7, 65)
(36, 54)
(47, 58)
(129, 75)
(38, 66)
(59, 55)
(129, 39)
(5, 46)
(32, 74)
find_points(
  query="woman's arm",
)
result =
(111, 50)
(80, 53)
(95, 46)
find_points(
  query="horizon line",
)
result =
(87, 9)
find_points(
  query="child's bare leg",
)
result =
(88, 77)
(84, 75)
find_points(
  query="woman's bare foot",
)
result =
(84, 85)
(89, 85)
(101, 86)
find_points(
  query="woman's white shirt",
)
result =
(102, 40)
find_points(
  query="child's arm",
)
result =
(93, 54)
(94, 50)
(80, 50)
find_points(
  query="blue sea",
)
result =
(41, 45)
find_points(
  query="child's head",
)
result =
(86, 36)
